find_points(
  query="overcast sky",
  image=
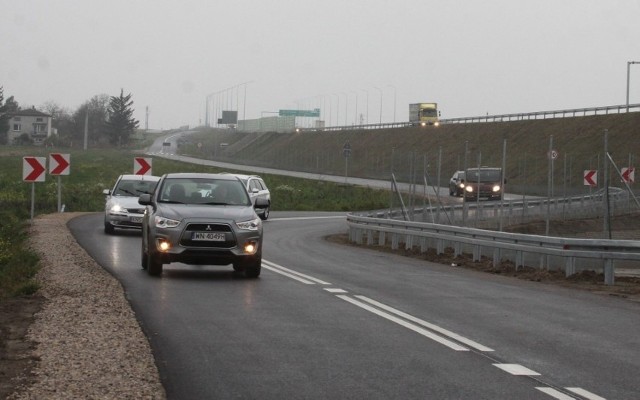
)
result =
(471, 57)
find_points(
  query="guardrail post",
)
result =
(423, 245)
(394, 241)
(496, 256)
(369, 237)
(439, 246)
(382, 240)
(457, 249)
(519, 259)
(570, 266)
(609, 278)
(476, 253)
(408, 242)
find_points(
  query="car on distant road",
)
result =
(257, 189)
(456, 184)
(121, 203)
(484, 182)
(201, 219)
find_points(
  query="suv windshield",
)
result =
(203, 191)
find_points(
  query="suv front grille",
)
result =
(230, 241)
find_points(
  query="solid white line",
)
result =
(290, 271)
(584, 393)
(429, 325)
(516, 369)
(401, 322)
(555, 393)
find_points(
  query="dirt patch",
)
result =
(16, 359)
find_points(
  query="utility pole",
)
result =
(628, 78)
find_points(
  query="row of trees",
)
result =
(108, 120)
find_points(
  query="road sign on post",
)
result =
(33, 169)
(59, 164)
(628, 174)
(590, 177)
(141, 166)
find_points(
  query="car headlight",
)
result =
(468, 189)
(162, 222)
(496, 188)
(116, 208)
(461, 185)
(251, 225)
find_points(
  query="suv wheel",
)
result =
(154, 266)
(264, 214)
(250, 270)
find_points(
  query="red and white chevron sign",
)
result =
(590, 177)
(141, 166)
(33, 169)
(59, 164)
(628, 174)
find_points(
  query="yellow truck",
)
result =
(423, 114)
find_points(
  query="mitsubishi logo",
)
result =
(208, 227)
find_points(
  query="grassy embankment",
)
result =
(92, 171)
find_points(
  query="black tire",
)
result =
(250, 271)
(154, 265)
(264, 215)
(108, 228)
(144, 258)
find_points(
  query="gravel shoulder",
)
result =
(83, 339)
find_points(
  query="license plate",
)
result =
(136, 220)
(210, 236)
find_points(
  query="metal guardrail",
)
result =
(518, 248)
(618, 109)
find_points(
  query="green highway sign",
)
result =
(299, 113)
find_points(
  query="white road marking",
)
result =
(584, 393)
(335, 290)
(309, 280)
(516, 369)
(555, 393)
(429, 325)
(405, 324)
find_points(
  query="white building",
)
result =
(36, 124)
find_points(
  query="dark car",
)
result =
(456, 184)
(201, 219)
(484, 182)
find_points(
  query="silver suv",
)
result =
(201, 219)
(121, 209)
(257, 189)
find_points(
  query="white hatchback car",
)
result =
(121, 206)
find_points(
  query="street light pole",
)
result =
(380, 90)
(628, 76)
(367, 112)
(394, 102)
(355, 120)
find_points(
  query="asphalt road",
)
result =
(332, 321)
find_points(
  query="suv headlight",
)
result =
(162, 222)
(251, 225)
(496, 188)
